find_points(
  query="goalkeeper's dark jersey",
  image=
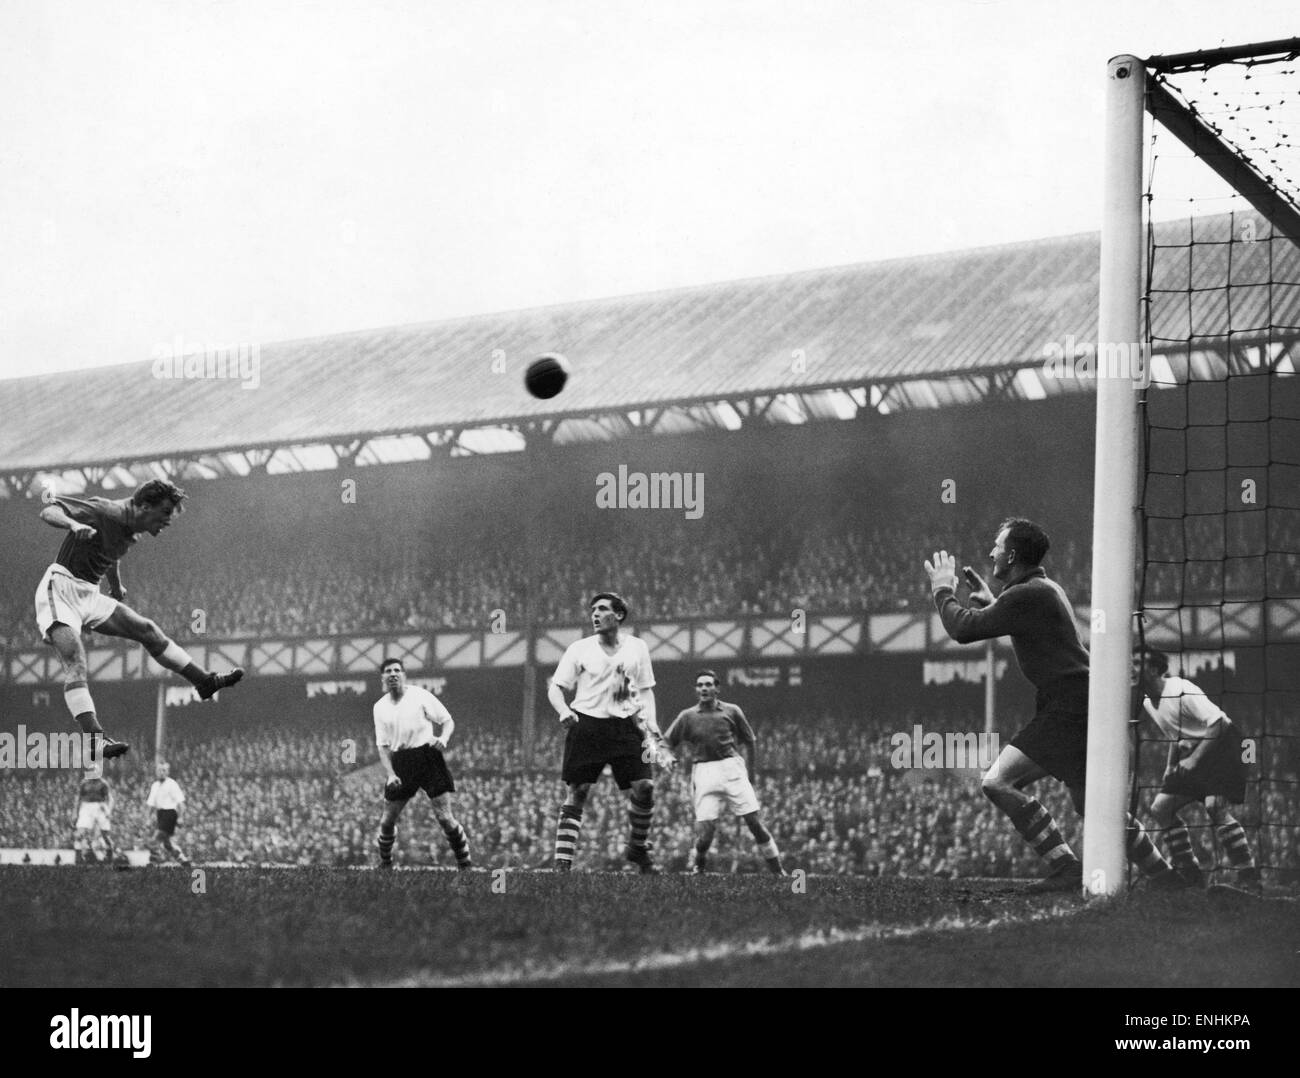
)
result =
(93, 790)
(711, 733)
(1038, 617)
(89, 559)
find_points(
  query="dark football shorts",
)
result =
(1056, 738)
(595, 742)
(421, 768)
(167, 821)
(1219, 773)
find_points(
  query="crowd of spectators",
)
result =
(829, 792)
(830, 559)
(328, 588)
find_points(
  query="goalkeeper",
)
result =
(1035, 613)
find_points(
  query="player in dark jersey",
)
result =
(68, 600)
(713, 732)
(1035, 613)
(94, 820)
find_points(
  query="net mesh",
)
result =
(1220, 576)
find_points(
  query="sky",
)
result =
(251, 172)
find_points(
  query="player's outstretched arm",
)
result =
(1011, 615)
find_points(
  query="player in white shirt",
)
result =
(412, 727)
(1204, 764)
(166, 798)
(610, 721)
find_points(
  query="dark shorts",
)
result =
(1220, 772)
(593, 743)
(167, 821)
(421, 768)
(1056, 738)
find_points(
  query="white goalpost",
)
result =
(1234, 308)
(1115, 485)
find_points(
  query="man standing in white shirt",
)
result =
(411, 751)
(611, 722)
(166, 798)
(1204, 764)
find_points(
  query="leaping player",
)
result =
(714, 731)
(68, 600)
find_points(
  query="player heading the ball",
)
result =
(611, 722)
(68, 599)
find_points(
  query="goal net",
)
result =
(1215, 409)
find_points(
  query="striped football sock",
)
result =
(387, 836)
(566, 835)
(1036, 826)
(458, 840)
(638, 816)
(1179, 842)
(1233, 837)
(1142, 851)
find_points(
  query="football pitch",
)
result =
(285, 926)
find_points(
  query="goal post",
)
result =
(1226, 313)
(1115, 484)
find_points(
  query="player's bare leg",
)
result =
(1003, 784)
(388, 832)
(766, 843)
(640, 809)
(76, 692)
(704, 832)
(125, 622)
(1233, 837)
(570, 823)
(1164, 810)
(456, 837)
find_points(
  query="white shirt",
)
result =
(1185, 711)
(606, 686)
(165, 794)
(408, 723)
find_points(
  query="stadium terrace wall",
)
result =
(895, 690)
(903, 687)
(753, 640)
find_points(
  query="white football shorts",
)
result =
(93, 814)
(717, 783)
(78, 604)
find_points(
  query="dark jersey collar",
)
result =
(1037, 573)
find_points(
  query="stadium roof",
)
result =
(911, 332)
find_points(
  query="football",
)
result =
(546, 375)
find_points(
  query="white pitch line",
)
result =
(540, 973)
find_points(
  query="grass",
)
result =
(92, 927)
